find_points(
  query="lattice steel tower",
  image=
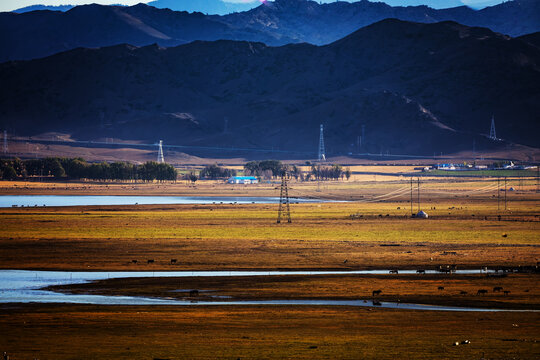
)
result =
(322, 155)
(284, 208)
(160, 158)
(492, 133)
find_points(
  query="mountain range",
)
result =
(223, 7)
(417, 88)
(42, 33)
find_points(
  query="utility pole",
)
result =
(411, 197)
(418, 194)
(538, 178)
(498, 194)
(284, 200)
(160, 158)
(505, 193)
(319, 177)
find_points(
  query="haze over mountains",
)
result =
(42, 33)
(417, 88)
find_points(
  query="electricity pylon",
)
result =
(160, 158)
(492, 133)
(284, 200)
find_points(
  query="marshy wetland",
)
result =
(465, 231)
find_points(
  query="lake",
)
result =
(83, 200)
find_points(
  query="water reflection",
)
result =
(22, 286)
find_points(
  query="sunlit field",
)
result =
(365, 223)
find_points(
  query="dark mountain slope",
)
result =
(533, 39)
(42, 33)
(308, 21)
(418, 88)
(43, 7)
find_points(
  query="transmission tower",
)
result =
(284, 208)
(160, 158)
(5, 142)
(492, 133)
(322, 155)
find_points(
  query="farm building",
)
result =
(243, 180)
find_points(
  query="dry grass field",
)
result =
(263, 332)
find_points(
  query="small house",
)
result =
(243, 180)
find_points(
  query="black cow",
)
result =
(376, 292)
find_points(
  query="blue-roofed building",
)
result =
(243, 180)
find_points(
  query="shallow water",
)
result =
(83, 200)
(23, 286)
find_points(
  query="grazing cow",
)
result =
(173, 261)
(193, 293)
(506, 292)
(463, 292)
(393, 271)
(421, 271)
(497, 289)
(481, 292)
(134, 261)
(440, 288)
(376, 292)
(345, 261)
(150, 261)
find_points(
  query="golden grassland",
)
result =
(224, 236)
(262, 332)
(464, 228)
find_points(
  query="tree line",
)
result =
(78, 168)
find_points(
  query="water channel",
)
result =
(25, 286)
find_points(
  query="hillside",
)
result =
(41, 33)
(417, 88)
